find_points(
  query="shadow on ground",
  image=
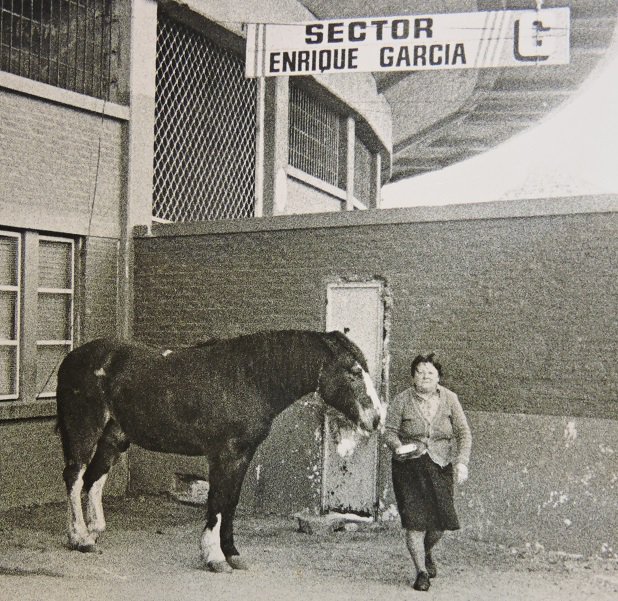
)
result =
(150, 551)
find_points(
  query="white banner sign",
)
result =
(474, 40)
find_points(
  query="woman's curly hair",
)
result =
(430, 358)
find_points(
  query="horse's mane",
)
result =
(350, 347)
(267, 340)
(282, 358)
(207, 342)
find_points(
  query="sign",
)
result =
(473, 40)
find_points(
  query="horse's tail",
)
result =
(80, 401)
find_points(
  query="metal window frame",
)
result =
(305, 110)
(70, 292)
(17, 324)
(88, 25)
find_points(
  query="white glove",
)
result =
(461, 473)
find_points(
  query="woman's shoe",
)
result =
(422, 582)
(430, 566)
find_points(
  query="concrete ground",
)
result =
(150, 552)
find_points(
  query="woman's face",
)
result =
(426, 377)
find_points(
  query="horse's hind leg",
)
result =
(78, 443)
(79, 538)
(112, 443)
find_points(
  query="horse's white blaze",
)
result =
(347, 444)
(373, 395)
(78, 532)
(95, 518)
(211, 543)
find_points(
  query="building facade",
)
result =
(122, 113)
(140, 167)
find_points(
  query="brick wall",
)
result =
(60, 172)
(519, 302)
(100, 288)
(51, 167)
(518, 309)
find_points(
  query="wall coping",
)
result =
(461, 212)
(37, 89)
(15, 410)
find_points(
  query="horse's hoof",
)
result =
(237, 562)
(422, 582)
(83, 547)
(219, 567)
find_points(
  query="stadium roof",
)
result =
(442, 117)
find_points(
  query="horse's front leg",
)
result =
(226, 476)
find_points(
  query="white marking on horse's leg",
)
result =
(78, 532)
(99, 373)
(95, 517)
(372, 393)
(211, 543)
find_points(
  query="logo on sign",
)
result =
(532, 43)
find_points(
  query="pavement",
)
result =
(150, 551)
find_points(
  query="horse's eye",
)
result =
(356, 369)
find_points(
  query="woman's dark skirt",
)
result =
(424, 493)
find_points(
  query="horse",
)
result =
(217, 399)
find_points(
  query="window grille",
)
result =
(315, 138)
(205, 129)
(64, 43)
(363, 167)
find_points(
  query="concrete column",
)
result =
(138, 145)
(375, 190)
(274, 122)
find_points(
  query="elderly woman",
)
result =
(428, 433)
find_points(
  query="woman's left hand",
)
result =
(461, 473)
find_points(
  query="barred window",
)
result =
(316, 138)
(205, 129)
(47, 324)
(64, 43)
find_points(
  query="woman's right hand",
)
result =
(461, 473)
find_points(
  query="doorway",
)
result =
(349, 483)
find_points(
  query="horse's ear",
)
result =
(338, 341)
(340, 336)
(333, 340)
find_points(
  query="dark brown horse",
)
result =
(217, 399)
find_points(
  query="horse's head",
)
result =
(345, 384)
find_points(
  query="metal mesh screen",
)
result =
(64, 43)
(315, 138)
(205, 129)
